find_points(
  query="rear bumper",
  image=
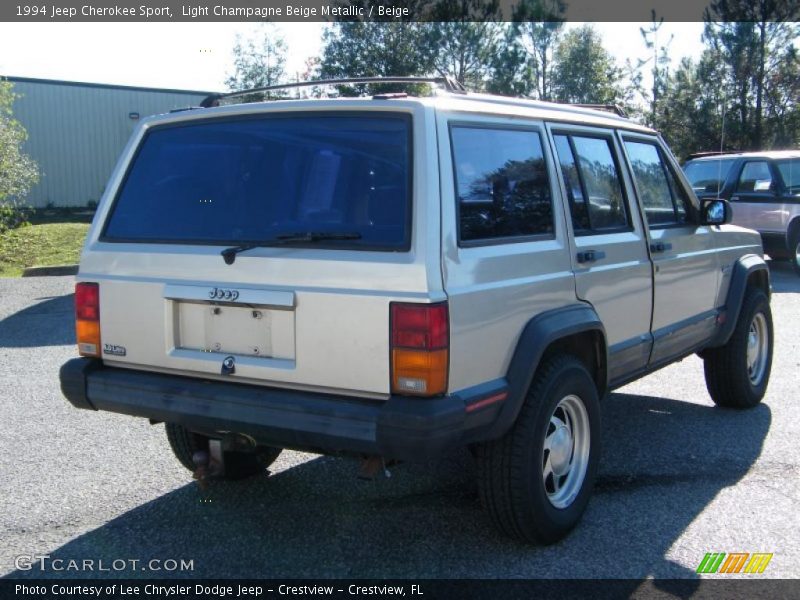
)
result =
(400, 427)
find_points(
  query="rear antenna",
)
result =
(721, 145)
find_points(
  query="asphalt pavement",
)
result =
(679, 478)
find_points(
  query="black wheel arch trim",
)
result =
(540, 333)
(743, 268)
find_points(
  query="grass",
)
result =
(40, 245)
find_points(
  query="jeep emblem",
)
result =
(221, 294)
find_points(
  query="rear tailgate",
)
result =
(300, 314)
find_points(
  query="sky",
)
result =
(197, 56)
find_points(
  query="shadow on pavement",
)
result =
(48, 323)
(664, 461)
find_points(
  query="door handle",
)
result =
(657, 247)
(590, 255)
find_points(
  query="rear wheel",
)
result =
(536, 481)
(238, 465)
(737, 373)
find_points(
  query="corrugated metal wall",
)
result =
(77, 131)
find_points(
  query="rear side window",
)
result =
(755, 177)
(594, 189)
(257, 179)
(664, 200)
(502, 186)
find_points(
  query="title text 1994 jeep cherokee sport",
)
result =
(396, 276)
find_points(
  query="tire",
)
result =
(520, 499)
(238, 465)
(737, 373)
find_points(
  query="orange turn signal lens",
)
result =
(419, 372)
(88, 334)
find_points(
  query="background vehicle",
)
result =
(764, 188)
(394, 277)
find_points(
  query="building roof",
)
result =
(109, 86)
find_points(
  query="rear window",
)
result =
(708, 176)
(255, 180)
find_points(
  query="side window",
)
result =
(664, 199)
(755, 177)
(502, 186)
(593, 184)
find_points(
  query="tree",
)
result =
(754, 41)
(584, 71)
(259, 63)
(375, 49)
(660, 64)
(511, 71)
(464, 37)
(537, 28)
(693, 112)
(18, 171)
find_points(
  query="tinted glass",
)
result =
(601, 179)
(569, 170)
(501, 182)
(790, 171)
(229, 182)
(651, 182)
(708, 176)
(755, 177)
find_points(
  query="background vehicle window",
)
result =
(597, 174)
(708, 176)
(664, 200)
(755, 177)
(501, 182)
(790, 171)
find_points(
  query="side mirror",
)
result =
(715, 212)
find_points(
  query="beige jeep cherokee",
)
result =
(391, 277)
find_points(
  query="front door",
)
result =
(685, 263)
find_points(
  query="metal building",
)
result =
(76, 132)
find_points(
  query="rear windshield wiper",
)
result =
(229, 254)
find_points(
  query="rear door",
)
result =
(756, 198)
(685, 262)
(608, 243)
(292, 311)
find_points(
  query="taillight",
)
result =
(420, 341)
(87, 318)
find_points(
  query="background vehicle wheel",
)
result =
(536, 481)
(737, 373)
(238, 465)
(794, 250)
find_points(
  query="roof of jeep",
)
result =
(470, 103)
(770, 154)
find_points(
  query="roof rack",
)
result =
(709, 153)
(614, 108)
(448, 83)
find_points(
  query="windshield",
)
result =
(251, 180)
(790, 171)
(708, 176)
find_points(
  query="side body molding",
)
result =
(539, 333)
